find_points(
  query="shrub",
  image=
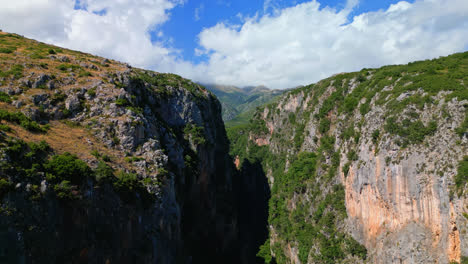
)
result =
(375, 136)
(4, 97)
(195, 133)
(91, 92)
(22, 120)
(324, 125)
(51, 51)
(104, 172)
(127, 185)
(462, 174)
(463, 128)
(67, 167)
(84, 74)
(16, 71)
(5, 187)
(265, 252)
(67, 66)
(411, 132)
(7, 50)
(64, 190)
(5, 128)
(122, 102)
(346, 168)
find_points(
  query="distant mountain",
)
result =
(240, 103)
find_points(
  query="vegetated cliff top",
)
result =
(36, 80)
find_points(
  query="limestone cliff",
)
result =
(105, 163)
(394, 139)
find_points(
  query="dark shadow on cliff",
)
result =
(254, 194)
(246, 212)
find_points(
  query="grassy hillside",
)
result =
(239, 104)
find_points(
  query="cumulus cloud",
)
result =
(305, 43)
(115, 29)
(282, 48)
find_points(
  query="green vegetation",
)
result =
(66, 173)
(239, 105)
(104, 172)
(67, 167)
(130, 188)
(4, 97)
(68, 66)
(463, 128)
(16, 71)
(91, 92)
(84, 73)
(5, 187)
(7, 50)
(308, 229)
(195, 133)
(312, 221)
(462, 175)
(161, 81)
(22, 120)
(409, 131)
(122, 102)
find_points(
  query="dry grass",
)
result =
(64, 138)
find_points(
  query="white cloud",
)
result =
(120, 32)
(198, 12)
(306, 43)
(284, 48)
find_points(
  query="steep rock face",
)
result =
(174, 199)
(394, 139)
(397, 192)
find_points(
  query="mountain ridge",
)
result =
(239, 103)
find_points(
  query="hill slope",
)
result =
(239, 103)
(366, 166)
(104, 163)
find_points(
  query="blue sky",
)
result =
(276, 43)
(184, 25)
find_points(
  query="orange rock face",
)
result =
(237, 162)
(383, 199)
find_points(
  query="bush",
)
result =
(104, 172)
(375, 136)
(128, 186)
(195, 133)
(22, 120)
(122, 102)
(324, 125)
(7, 50)
(462, 174)
(463, 128)
(5, 187)
(67, 167)
(51, 51)
(64, 190)
(411, 132)
(16, 71)
(67, 66)
(4, 97)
